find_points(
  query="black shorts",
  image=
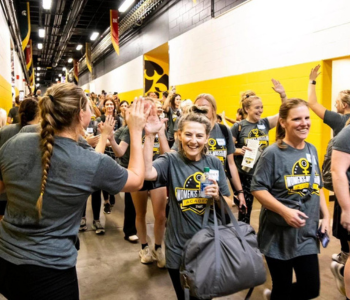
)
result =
(338, 230)
(35, 282)
(2, 207)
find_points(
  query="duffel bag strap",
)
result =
(250, 292)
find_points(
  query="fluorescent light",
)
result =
(59, 75)
(56, 79)
(46, 4)
(94, 35)
(38, 74)
(42, 32)
(64, 68)
(126, 4)
(70, 60)
(40, 46)
(79, 47)
(38, 68)
(38, 84)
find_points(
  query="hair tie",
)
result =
(52, 98)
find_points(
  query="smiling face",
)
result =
(193, 138)
(123, 107)
(255, 110)
(297, 124)
(109, 107)
(177, 101)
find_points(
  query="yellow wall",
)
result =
(5, 94)
(295, 80)
(130, 96)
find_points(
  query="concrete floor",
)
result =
(109, 267)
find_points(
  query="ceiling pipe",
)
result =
(10, 15)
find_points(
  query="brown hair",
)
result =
(210, 98)
(247, 97)
(112, 100)
(196, 114)
(28, 110)
(283, 114)
(59, 109)
(172, 100)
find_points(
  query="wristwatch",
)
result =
(313, 82)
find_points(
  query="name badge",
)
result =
(221, 142)
(262, 126)
(308, 157)
(89, 130)
(214, 174)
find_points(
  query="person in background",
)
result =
(171, 107)
(124, 105)
(288, 234)
(153, 95)
(12, 117)
(164, 96)
(256, 128)
(3, 117)
(336, 121)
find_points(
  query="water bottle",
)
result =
(204, 183)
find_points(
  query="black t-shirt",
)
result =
(13, 114)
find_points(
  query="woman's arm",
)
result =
(119, 150)
(316, 107)
(324, 210)
(105, 128)
(150, 172)
(163, 141)
(339, 166)
(292, 216)
(166, 104)
(235, 180)
(278, 88)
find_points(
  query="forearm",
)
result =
(148, 156)
(136, 162)
(163, 143)
(230, 120)
(118, 151)
(269, 202)
(341, 189)
(166, 104)
(235, 177)
(323, 205)
(311, 93)
(101, 145)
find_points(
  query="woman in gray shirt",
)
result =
(290, 207)
(48, 178)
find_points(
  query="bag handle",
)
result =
(307, 196)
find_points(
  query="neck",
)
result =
(109, 113)
(297, 144)
(346, 111)
(251, 120)
(68, 134)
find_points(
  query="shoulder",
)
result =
(343, 136)
(31, 128)
(21, 141)
(272, 150)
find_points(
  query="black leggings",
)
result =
(246, 181)
(111, 197)
(129, 227)
(307, 274)
(19, 282)
(175, 278)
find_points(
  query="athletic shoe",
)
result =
(340, 258)
(145, 255)
(97, 226)
(107, 209)
(267, 294)
(132, 238)
(159, 257)
(339, 279)
(83, 226)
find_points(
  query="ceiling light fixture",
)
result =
(70, 60)
(126, 4)
(38, 68)
(59, 75)
(41, 32)
(94, 35)
(64, 68)
(38, 84)
(40, 46)
(46, 4)
(56, 79)
(79, 47)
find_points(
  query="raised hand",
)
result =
(154, 124)
(314, 72)
(106, 127)
(278, 87)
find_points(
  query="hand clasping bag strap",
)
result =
(276, 218)
(221, 260)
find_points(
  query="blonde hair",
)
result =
(210, 98)
(196, 114)
(345, 97)
(59, 109)
(247, 98)
(283, 114)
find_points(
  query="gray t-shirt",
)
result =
(8, 132)
(217, 144)
(335, 121)
(74, 174)
(244, 131)
(186, 207)
(172, 116)
(342, 144)
(286, 174)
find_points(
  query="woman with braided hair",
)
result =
(48, 178)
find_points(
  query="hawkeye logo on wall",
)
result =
(188, 196)
(298, 183)
(156, 79)
(259, 135)
(217, 147)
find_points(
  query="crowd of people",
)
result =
(66, 145)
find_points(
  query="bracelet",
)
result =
(313, 82)
(239, 192)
